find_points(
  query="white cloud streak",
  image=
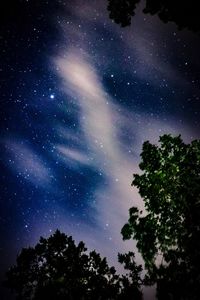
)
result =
(26, 163)
(71, 156)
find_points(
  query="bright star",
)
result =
(52, 96)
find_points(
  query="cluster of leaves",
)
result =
(168, 232)
(184, 13)
(122, 11)
(58, 269)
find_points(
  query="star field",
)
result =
(79, 96)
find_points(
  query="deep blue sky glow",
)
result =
(79, 96)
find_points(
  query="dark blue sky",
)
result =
(79, 96)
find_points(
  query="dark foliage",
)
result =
(184, 13)
(57, 269)
(168, 232)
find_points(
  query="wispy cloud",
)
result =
(26, 163)
(73, 156)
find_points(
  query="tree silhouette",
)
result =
(57, 269)
(184, 13)
(168, 231)
(132, 281)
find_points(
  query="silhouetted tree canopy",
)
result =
(184, 13)
(57, 269)
(168, 231)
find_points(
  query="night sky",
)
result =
(79, 96)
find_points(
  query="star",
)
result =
(52, 96)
